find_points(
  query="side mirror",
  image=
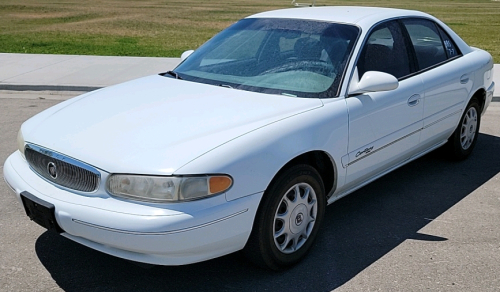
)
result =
(186, 54)
(372, 81)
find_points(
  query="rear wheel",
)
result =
(463, 140)
(288, 218)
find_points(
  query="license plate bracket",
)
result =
(40, 211)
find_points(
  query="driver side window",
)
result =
(385, 51)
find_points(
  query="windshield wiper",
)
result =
(172, 73)
(225, 85)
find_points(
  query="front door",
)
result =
(384, 127)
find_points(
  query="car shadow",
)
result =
(357, 231)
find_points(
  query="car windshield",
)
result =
(278, 56)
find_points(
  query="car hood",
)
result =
(155, 125)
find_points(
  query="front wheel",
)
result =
(463, 140)
(288, 218)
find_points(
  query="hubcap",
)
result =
(295, 218)
(469, 128)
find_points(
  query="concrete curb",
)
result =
(35, 72)
(18, 87)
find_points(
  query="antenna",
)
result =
(303, 4)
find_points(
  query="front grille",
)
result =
(62, 170)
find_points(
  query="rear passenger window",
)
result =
(427, 43)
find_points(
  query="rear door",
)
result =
(446, 75)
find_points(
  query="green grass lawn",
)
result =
(167, 28)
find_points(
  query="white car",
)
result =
(243, 145)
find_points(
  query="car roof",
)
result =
(364, 17)
(344, 14)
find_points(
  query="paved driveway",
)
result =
(432, 224)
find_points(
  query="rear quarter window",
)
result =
(451, 48)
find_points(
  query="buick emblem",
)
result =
(299, 219)
(51, 168)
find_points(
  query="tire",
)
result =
(463, 140)
(288, 219)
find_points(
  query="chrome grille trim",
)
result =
(70, 173)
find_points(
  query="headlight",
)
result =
(20, 143)
(162, 189)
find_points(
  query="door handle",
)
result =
(464, 78)
(414, 100)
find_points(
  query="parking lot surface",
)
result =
(430, 225)
(433, 224)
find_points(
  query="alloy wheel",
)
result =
(295, 218)
(469, 128)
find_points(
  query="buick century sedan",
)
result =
(244, 144)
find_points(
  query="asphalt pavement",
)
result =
(430, 225)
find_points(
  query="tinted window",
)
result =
(449, 45)
(426, 41)
(385, 51)
(279, 56)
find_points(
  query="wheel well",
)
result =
(321, 162)
(480, 95)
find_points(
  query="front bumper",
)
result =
(164, 234)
